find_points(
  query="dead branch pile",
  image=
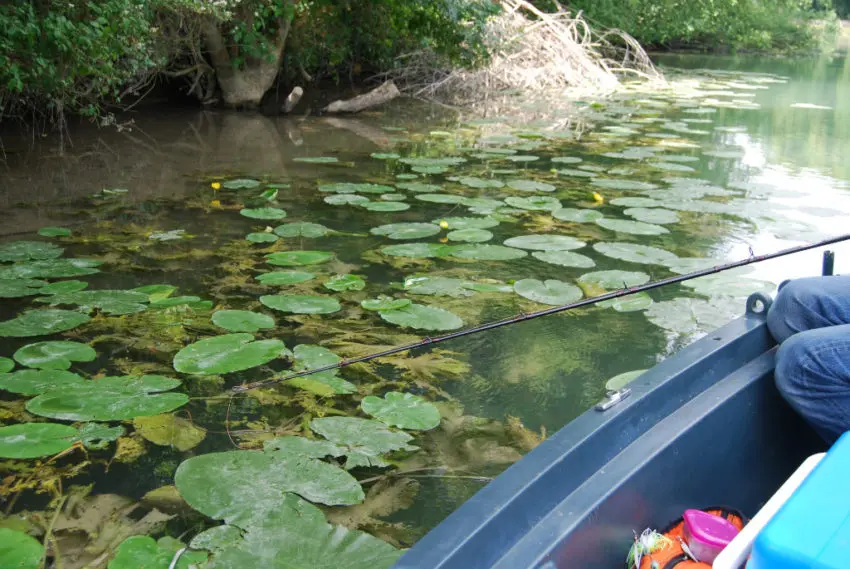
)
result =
(532, 51)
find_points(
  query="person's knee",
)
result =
(794, 299)
(792, 359)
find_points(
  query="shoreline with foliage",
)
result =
(90, 59)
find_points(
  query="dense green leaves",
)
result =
(226, 354)
(54, 355)
(41, 322)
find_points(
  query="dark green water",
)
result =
(737, 154)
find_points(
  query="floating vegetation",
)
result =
(298, 258)
(550, 292)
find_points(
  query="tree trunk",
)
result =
(246, 85)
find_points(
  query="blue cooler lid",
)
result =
(812, 529)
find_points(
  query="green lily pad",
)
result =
(612, 280)
(115, 302)
(142, 552)
(261, 237)
(19, 550)
(38, 381)
(566, 160)
(422, 317)
(459, 223)
(635, 253)
(226, 354)
(522, 158)
(29, 250)
(406, 230)
(385, 206)
(317, 159)
(301, 303)
(302, 446)
(109, 399)
(551, 292)
(618, 382)
(636, 202)
(385, 303)
(270, 194)
(419, 187)
(534, 203)
(691, 316)
(470, 235)
(656, 215)
(340, 283)
(417, 250)
(486, 252)
(193, 302)
(625, 185)
(564, 259)
(545, 242)
(41, 323)
(97, 436)
(447, 161)
(482, 205)
(385, 156)
(63, 287)
(33, 440)
(19, 288)
(479, 183)
(631, 303)
(672, 167)
(436, 286)
(284, 277)
(214, 483)
(54, 355)
(50, 269)
(54, 232)
(240, 184)
(729, 285)
(170, 431)
(6, 365)
(430, 169)
(311, 356)
(345, 199)
(631, 227)
(576, 173)
(298, 258)
(439, 198)
(263, 213)
(363, 441)
(403, 410)
(242, 320)
(577, 215)
(323, 384)
(302, 229)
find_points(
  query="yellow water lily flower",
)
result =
(597, 197)
(444, 239)
(444, 224)
(215, 203)
(215, 186)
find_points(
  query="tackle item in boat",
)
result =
(670, 550)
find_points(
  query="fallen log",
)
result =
(292, 100)
(377, 96)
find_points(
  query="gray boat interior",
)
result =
(703, 428)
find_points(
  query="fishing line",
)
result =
(523, 316)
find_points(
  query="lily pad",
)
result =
(637, 202)
(618, 382)
(446, 161)
(577, 215)
(728, 285)
(486, 252)
(419, 187)
(302, 229)
(226, 354)
(403, 410)
(566, 160)
(480, 183)
(261, 237)
(692, 316)
(458, 223)
(263, 213)
(19, 288)
(317, 159)
(440, 198)
(242, 320)
(298, 258)
(534, 203)
(384, 303)
(33, 440)
(240, 184)
(612, 280)
(41, 323)
(29, 250)
(417, 250)
(564, 259)
(385, 156)
(631, 303)
(385, 206)
(655, 215)
(109, 399)
(142, 552)
(363, 441)
(422, 317)
(626, 185)
(323, 384)
(54, 355)
(50, 269)
(345, 199)
(631, 227)
(340, 283)
(284, 277)
(551, 292)
(170, 431)
(115, 302)
(436, 286)
(63, 287)
(545, 242)
(38, 381)
(635, 253)
(301, 303)
(54, 232)
(6, 365)
(97, 436)
(470, 235)
(406, 230)
(19, 550)
(530, 186)
(576, 173)
(672, 167)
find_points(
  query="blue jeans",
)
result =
(811, 320)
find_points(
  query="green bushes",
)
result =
(716, 25)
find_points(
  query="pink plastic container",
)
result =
(707, 535)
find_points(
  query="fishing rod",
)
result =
(523, 316)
